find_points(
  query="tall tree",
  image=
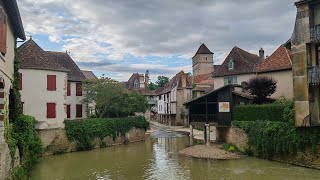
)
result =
(152, 86)
(262, 87)
(162, 80)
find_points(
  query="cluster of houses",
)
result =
(50, 82)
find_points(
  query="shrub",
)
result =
(230, 147)
(84, 131)
(267, 112)
(262, 87)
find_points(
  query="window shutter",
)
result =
(235, 81)
(68, 89)
(3, 31)
(51, 110)
(225, 80)
(78, 89)
(48, 82)
(51, 83)
(68, 111)
(20, 81)
(79, 110)
(54, 82)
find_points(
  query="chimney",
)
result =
(261, 54)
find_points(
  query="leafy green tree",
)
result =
(162, 80)
(113, 100)
(152, 86)
(262, 87)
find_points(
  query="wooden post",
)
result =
(207, 140)
(207, 121)
(191, 135)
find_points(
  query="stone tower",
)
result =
(147, 77)
(202, 61)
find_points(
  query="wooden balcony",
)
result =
(314, 75)
(315, 33)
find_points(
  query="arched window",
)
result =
(136, 84)
(231, 64)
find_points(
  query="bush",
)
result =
(230, 147)
(266, 112)
(84, 131)
(262, 87)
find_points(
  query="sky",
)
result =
(116, 38)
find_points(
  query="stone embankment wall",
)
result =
(237, 137)
(5, 157)
(55, 141)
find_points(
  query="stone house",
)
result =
(240, 65)
(11, 29)
(170, 100)
(305, 45)
(50, 86)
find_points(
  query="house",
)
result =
(216, 107)
(240, 66)
(305, 45)
(139, 83)
(11, 29)
(89, 75)
(50, 86)
(170, 100)
(90, 105)
(202, 68)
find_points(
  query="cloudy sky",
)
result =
(119, 37)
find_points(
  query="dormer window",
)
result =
(136, 84)
(231, 64)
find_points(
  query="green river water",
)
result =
(157, 158)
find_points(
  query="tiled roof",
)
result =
(33, 56)
(89, 75)
(75, 74)
(130, 85)
(278, 60)
(244, 62)
(12, 9)
(203, 50)
(203, 79)
(176, 81)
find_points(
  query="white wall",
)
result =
(284, 83)
(219, 81)
(35, 97)
(73, 100)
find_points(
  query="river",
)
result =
(157, 158)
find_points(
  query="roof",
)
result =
(75, 74)
(278, 60)
(244, 63)
(244, 95)
(33, 56)
(203, 79)
(12, 10)
(89, 75)
(176, 81)
(203, 50)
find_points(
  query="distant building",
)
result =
(170, 100)
(89, 75)
(305, 45)
(50, 86)
(91, 106)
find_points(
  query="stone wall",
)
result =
(55, 141)
(5, 157)
(233, 135)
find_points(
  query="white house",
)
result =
(50, 86)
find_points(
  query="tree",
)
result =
(113, 100)
(262, 87)
(162, 80)
(152, 86)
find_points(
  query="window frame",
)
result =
(79, 114)
(51, 107)
(51, 82)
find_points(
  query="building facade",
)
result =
(50, 86)
(170, 100)
(305, 45)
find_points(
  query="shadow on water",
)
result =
(157, 158)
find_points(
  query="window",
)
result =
(79, 111)
(3, 31)
(136, 84)
(231, 65)
(318, 54)
(51, 110)
(160, 97)
(20, 81)
(78, 89)
(230, 80)
(68, 89)
(51, 82)
(68, 111)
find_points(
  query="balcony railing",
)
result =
(211, 118)
(314, 75)
(315, 33)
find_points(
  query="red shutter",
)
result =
(78, 89)
(3, 31)
(51, 110)
(51, 83)
(68, 89)
(68, 111)
(20, 81)
(79, 111)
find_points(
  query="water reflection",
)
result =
(157, 159)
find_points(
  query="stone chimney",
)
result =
(261, 54)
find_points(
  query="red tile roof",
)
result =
(203, 50)
(176, 81)
(278, 60)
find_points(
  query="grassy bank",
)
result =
(84, 131)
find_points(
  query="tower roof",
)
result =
(203, 50)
